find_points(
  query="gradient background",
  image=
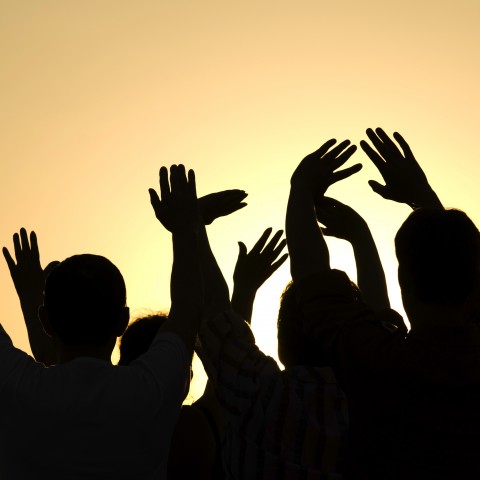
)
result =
(96, 95)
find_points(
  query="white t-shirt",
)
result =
(89, 419)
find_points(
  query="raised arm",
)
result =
(405, 181)
(253, 269)
(315, 173)
(212, 206)
(29, 281)
(342, 221)
(178, 212)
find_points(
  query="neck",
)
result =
(66, 353)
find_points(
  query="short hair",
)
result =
(139, 336)
(84, 296)
(294, 346)
(440, 250)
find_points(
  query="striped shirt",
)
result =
(289, 424)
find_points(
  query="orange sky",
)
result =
(96, 95)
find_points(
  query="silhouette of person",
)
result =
(71, 420)
(289, 423)
(413, 396)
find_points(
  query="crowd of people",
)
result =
(361, 395)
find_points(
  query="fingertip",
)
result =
(397, 136)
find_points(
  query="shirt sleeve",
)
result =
(356, 340)
(168, 364)
(13, 362)
(233, 362)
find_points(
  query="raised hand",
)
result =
(405, 181)
(29, 281)
(254, 268)
(340, 220)
(178, 208)
(220, 204)
(317, 171)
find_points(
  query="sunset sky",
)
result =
(96, 95)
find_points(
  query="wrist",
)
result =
(301, 187)
(427, 198)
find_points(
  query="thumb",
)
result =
(242, 250)
(378, 188)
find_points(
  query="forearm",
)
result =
(307, 248)
(370, 274)
(217, 297)
(186, 288)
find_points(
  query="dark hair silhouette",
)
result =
(440, 251)
(84, 296)
(138, 337)
(294, 347)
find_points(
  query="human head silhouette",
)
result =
(85, 302)
(138, 336)
(294, 346)
(438, 254)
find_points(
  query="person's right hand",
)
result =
(253, 268)
(178, 208)
(405, 181)
(27, 273)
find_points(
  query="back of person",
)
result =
(296, 427)
(87, 418)
(419, 419)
